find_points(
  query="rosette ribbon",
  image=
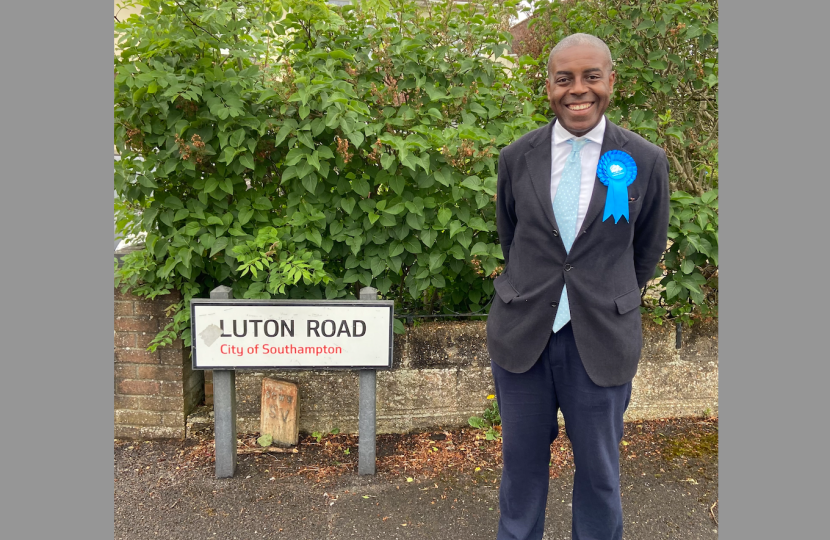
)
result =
(617, 170)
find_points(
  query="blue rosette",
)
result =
(617, 170)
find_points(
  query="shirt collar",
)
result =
(560, 134)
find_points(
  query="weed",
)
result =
(489, 420)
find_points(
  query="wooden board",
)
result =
(278, 416)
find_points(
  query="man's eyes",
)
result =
(592, 78)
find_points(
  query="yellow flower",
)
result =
(491, 396)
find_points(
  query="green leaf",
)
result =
(672, 289)
(245, 215)
(397, 183)
(211, 184)
(148, 182)
(428, 237)
(356, 137)
(305, 138)
(310, 183)
(472, 182)
(456, 227)
(395, 209)
(436, 260)
(412, 245)
(283, 133)
(220, 244)
(478, 224)
(687, 266)
(709, 196)
(237, 137)
(398, 327)
(676, 132)
(148, 217)
(377, 266)
(262, 203)
(247, 160)
(314, 161)
(192, 228)
(387, 161)
(314, 236)
(415, 221)
(480, 248)
(226, 185)
(173, 202)
(465, 238)
(395, 248)
(444, 216)
(340, 54)
(361, 187)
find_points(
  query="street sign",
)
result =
(291, 334)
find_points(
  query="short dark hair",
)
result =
(580, 39)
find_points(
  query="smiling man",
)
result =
(582, 212)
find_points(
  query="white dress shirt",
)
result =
(589, 158)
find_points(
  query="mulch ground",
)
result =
(426, 455)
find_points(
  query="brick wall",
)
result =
(208, 387)
(154, 392)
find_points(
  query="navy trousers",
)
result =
(528, 403)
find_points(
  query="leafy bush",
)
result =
(298, 150)
(689, 268)
(666, 59)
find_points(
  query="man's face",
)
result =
(579, 85)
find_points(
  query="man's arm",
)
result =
(505, 209)
(652, 224)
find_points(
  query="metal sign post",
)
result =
(367, 409)
(224, 407)
(230, 334)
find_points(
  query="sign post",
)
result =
(228, 334)
(367, 408)
(224, 406)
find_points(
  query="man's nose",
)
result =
(578, 87)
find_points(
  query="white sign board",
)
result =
(324, 334)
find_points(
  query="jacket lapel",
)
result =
(538, 164)
(614, 139)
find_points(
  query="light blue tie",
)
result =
(566, 208)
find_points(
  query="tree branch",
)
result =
(194, 23)
(711, 135)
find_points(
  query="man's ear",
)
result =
(612, 78)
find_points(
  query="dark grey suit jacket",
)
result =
(608, 264)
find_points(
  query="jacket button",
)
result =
(555, 232)
(568, 267)
(554, 304)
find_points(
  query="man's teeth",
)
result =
(579, 107)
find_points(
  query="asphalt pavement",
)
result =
(163, 489)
